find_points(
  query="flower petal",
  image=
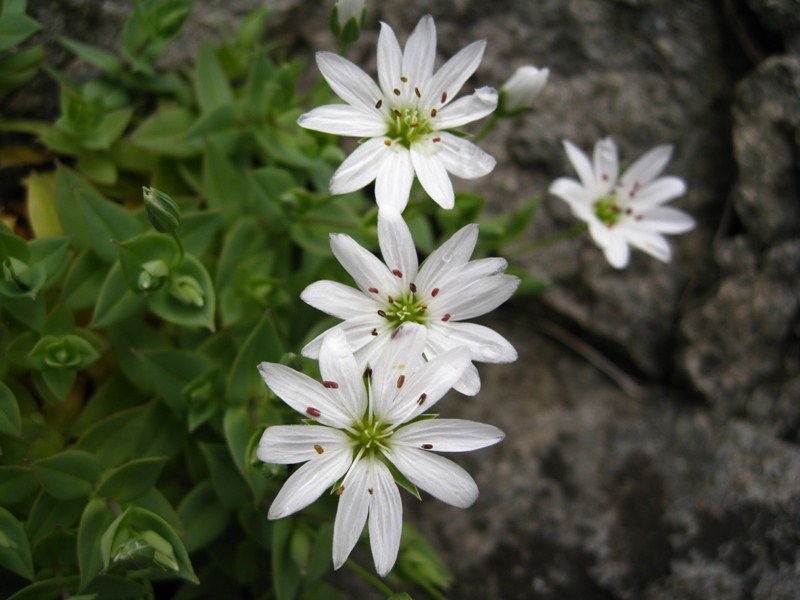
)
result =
(351, 513)
(343, 119)
(309, 481)
(580, 162)
(462, 158)
(419, 54)
(455, 252)
(457, 279)
(385, 517)
(467, 109)
(657, 192)
(289, 444)
(397, 363)
(349, 82)
(358, 331)
(337, 299)
(394, 179)
(448, 435)
(306, 396)
(469, 383)
(364, 267)
(606, 165)
(390, 60)
(613, 245)
(646, 168)
(360, 168)
(341, 375)
(650, 242)
(427, 384)
(449, 79)
(438, 476)
(477, 298)
(485, 345)
(397, 246)
(665, 219)
(432, 174)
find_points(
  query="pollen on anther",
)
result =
(446, 317)
(628, 211)
(422, 398)
(400, 381)
(444, 97)
(331, 385)
(417, 92)
(427, 446)
(373, 290)
(382, 313)
(374, 331)
(390, 299)
(339, 491)
(387, 142)
(397, 272)
(379, 103)
(370, 490)
(396, 92)
(412, 287)
(313, 412)
(434, 292)
(436, 140)
(434, 112)
(639, 217)
(319, 448)
(368, 372)
(404, 79)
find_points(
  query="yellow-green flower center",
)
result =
(406, 308)
(608, 210)
(408, 124)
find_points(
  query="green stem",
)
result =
(486, 128)
(550, 239)
(369, 577)
(180, 248)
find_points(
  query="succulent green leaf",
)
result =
(223, 182)
(15, 550)
(41, 201)
(211, 85)
(131, 480)
(263, 344)
(117, 301)
(16, 483)
(188, 300)
(55, 384)
(10, 419)
(48, 515)
(97, 57)
(84, 280)
(229, 485)
(203, 518)
(15, 29)
(172, 370)
(148, 254)
(68, 474)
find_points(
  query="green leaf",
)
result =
(103, 60)
(198, 230)
(203, 518)
(16, 483)
(96, 518)
(269, 185)
(188, 311)
(263, 344)
(18, 68)
(285, 574)
(10, 419)
(55, 384)
(47, 588)
(164, 134)
(148, 248)
(15, 29)
(172, 371)
(114, 438)
(51, 253)
(29, 312)
(162, 433)
(228, 483)
(48, 515)
(116, 301)
(15, 550)
(98, 167)
(69, 474)
(41, 200)
(131, 480)
(211, 85)
(223, 182)
(84, 280)
(113, 395)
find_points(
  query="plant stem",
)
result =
(180, 248)
(550, 239)
(369, 578)
(486, 128)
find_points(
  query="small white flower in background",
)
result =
(406, 118)
(628, 209)
(519, 92)
(356, 431)
(445, 291)
(349, 9)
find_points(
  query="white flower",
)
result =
(349, 9)
(522, 88)
(406, 118)
(359, 431)
(444, 292)
(628, 209)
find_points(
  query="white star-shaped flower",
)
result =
(446, 290)
(357, 433)
(626, 210)
(406, 118)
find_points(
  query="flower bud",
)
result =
(152, 275)
(519, 92)
(162, 210)
(17, 272)
(349, 9)
(346, 19)
(186, 289)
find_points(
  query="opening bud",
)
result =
(521, 89)
(152, 275)
(186, 289)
